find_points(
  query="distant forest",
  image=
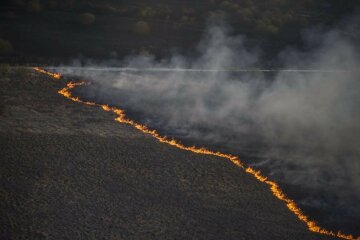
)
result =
(140, 23)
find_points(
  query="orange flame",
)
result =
(274, 187)
(54, 75)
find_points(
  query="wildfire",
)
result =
(54, 75)
(274, 187)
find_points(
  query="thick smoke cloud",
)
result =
(302, 127)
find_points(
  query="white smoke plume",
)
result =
(303, 126)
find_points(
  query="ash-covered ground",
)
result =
(69, 171)
(323, 181)
(299, 123)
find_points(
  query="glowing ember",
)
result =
(274, 187)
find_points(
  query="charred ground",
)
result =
(69, 171)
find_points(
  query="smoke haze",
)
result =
(301, 127)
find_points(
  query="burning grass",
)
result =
(273, 186)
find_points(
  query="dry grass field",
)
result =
(68, 171)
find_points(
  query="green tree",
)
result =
(264, 27)
(146, 12)
(34, 6)
(86, 18)
(5, 47)
(141, 28)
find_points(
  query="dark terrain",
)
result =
(334, 209)
(69, 171)
(51, 31)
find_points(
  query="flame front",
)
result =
(54, 75)
(274, 187)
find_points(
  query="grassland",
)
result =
(68, 171)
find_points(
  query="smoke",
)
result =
(301, 127)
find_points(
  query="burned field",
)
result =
(173, 109)
(70, 171)
(303, 172)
